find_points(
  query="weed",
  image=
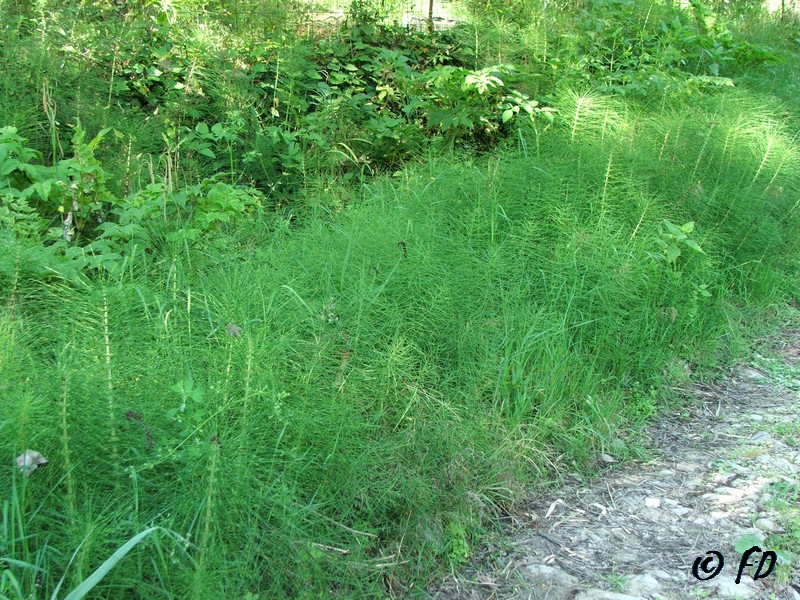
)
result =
(265, 307)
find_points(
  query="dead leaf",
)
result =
(234, 330)
(29, 461)
(553, 507)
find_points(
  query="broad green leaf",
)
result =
(43, 188)
(673, 252)
(673, 229)
(694, 246)
(507, 115)
(746, 542)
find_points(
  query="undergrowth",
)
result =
(317, 382)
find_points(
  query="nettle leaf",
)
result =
(547, 113)
(198, 394)
(674, 230)
(694, 246)
(43, 188)
(508, 114)
(672, 254)
(746, 542)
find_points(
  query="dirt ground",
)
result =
(723, 476)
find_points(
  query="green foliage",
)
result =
(327, 383)
(641, 50)
(19, 182)
(673, 237)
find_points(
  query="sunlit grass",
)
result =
(330, 403)
(335, 402)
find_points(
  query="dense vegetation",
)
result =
(298, 312)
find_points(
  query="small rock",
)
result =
(727, 587)
(783, 464)
(596, 594)
(651, 514)
(766, 525)
(750, 373)
(642, 585)
(687, 467)
(761, 436)
(29, 461)
(680, 511)
(755, 417)
(663, 575)
(549, 582)
(652, 502)
(718, 515)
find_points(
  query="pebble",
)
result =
(766, 525)
(727, 587)
(642, 585)
(784, 464)
(544, 581)
(651, 514)
(663, 575)
(750, 373)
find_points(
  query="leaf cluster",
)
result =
(632, 52)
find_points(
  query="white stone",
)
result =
(642, 585)
(765, 525)
(727, 587)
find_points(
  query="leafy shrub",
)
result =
(632, 52)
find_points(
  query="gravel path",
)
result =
(724, 476)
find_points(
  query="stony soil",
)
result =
(726, 467)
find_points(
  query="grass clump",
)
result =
(326, 405)
(329, 385)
